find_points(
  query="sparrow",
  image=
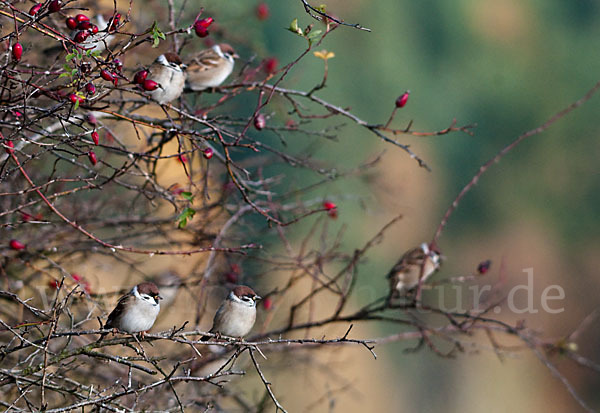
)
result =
(210, 67)
(136, 311)
(416, 264)
(168, 71)
(236, 314)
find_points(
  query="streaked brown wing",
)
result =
(116, 314)
(410, 258)
(205, 60)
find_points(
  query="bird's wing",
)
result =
(114, 316)
(410, 258)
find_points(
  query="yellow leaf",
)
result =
(324, 54)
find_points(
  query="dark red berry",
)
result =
(16, 245)
(53, 284)
(81, 18)
(149, 85)
(118, 64)
(262, 11)
(140, 76)
(208, 153)
(10, 145)
(331, 208)
(92, 157)
(74, 98)
(402, 99)
(115, 79)
(26, 217)
(90, 88)
(260, 121)
(106, 75)
(71, 23)
(54, 6)
(206, 22)
(17, 51)
(36, 7)
(95, 137)
(201, 31)
(270, 65)
(114, 22)
(267, 303)
(81, 36)
(328, 205)
(484, 266)
(84, 25)
(201, 26)
(94, 29)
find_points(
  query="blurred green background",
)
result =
(508, 66)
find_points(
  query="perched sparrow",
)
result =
(210, 67)
(416, 264)
(237, 313)
(168, 72)
(137, 310)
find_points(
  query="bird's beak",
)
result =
(157, 297)
(257, 297)
(235, 56)
(183, 66)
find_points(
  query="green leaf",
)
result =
(186, 215)
(313, 35)
(156, 34)
(294, 28)
(188, 196)
(76, 105)
(70, 57)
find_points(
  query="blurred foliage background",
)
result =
(507, 66)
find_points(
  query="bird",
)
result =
(416, 264)
(169, 74)
(236, 314)
(136, 311)
(210, 67)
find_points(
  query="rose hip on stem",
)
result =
(208, 153)
(402, 99)
(149, 85)
(201, 26)
(35, 8)
(95, 137)
(106, 75)
(92, 157)
(16, 245)
(54, 6)
(17, 51)
(71, 23)
(10, 145)
(140, 76)
(90, 88)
